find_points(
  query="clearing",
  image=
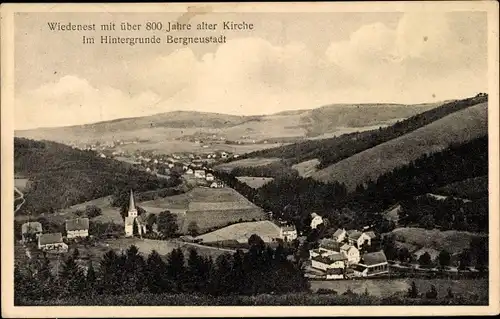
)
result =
(306, 168)
(241, 232)
(255, 182)
(457, 127)
(247, 162)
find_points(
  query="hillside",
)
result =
(458, 127)
(61, 176)
(332, 150)
(471, 188)
(176, 131)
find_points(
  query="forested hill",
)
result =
(62, 176)
(332, 150)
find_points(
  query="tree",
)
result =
(404, 254)
(91, 278)
(71, 278)
(167, 224)
(464, 259)
(444, 258)
(133, 270)
(76, 254)
(193, 229)
(93, 211)
(427, 222)
(425, 259)
(175, 268)
(156, 279)
(413, 290)
(432, 293)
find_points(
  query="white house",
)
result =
(210, 177)
(288, 233)
(329, 262)
(335, 273)
(316, 220)
(358, 238)
(30, 231)
(52, 242)
(78, 227)
(371, 264)
(216, 185)
(339, 235)
(351, 252)
(189, 171)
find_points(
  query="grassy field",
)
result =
(387, 287)
(248, 162)
(306, 168)
(21, 183)
(208, 207)
(453, 241)
(255, 182)
(458, 127)
(242, 231)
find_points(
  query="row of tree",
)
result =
(260, 270)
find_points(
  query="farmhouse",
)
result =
(371, 264)
(189, 171)
(339, 235)
(316, 220)
(210, 177)
(53, 242)
(216, 185)
(77, 228)
(30, 231)
(329, 262)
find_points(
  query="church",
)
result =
(133, 218)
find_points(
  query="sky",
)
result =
(289, 61)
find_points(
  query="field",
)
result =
(208, 207)
(457, 127)
(453, 241)
(255, 182)
(306, 168)
(387, 287)
(21, 183)
(242, 231)
(248, 162)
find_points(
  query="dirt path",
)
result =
(21, 197)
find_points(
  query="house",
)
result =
(78, 227)
(316, 220)
(52, 242)
(335, 273)
(171, 165)
(351, 252)
(329, 247)
(329, 262)
(371, 264)
(189, 171)
(210, 177)
(199, 173)
(30, 231)
(223, 155)
(288, 233)
(358, 238)
(339, 235)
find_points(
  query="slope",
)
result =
(61, 176)
(368, 165)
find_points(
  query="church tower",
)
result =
(132, 211)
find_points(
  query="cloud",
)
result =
(72, 101)
(422, 58)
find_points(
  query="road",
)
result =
(204, 246)
(21, 197)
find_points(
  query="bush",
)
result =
(324, 291)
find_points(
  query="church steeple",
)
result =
(132, 211)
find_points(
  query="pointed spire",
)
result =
(131, 204)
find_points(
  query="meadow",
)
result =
(255, 182)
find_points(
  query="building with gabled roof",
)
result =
(339, 235)
(78, 227)
(371, 264)
(52, 242)
(30, 231)
(337, 260)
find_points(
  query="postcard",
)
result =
(250, 159)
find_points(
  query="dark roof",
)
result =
(338, 232)
(330, 245)
(371, 234)
(334, 271)
(77, 224)
(31, 228)
(289, 228)
(377, 257)
(354, 234)
(330, 259)
(52, 238)
(358, 267)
